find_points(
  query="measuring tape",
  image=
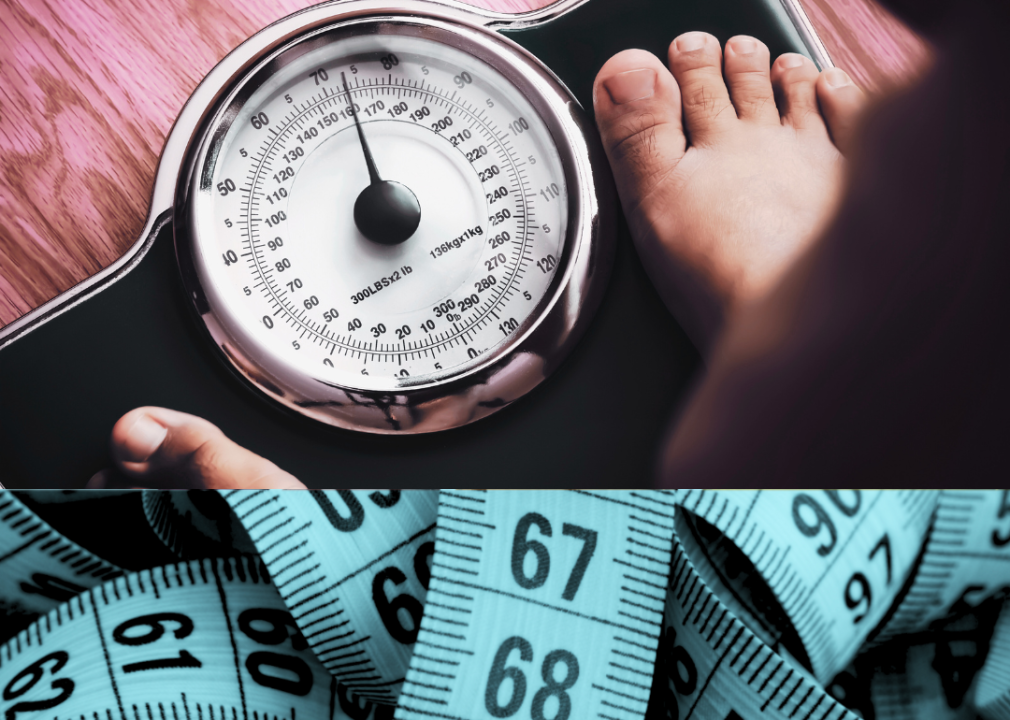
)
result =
(348, 563)
(204, 639)
(966, 560)
(993, 693)
(935, 674)
(824, 556)
(714, 665)
(40, 568)
(195, 524)
(535, 597)
(527, 605)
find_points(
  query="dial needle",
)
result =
(385, 212)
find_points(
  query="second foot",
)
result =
(727, 167)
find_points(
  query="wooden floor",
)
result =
(88, 92)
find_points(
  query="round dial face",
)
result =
(380, 210)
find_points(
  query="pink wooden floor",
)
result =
(89, 90)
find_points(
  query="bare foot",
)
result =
(157, 447)
(724, 180)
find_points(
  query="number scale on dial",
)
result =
(475, 154)
(518, 186)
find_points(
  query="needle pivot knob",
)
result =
(387, 212)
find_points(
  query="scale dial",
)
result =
(379, 219)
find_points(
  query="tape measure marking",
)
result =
(523, 586)
(713, 661)
(195, 524)
(42, 568)
(992, 693)
(490, 606)
(732, 578)
(954, 574)
(795, 540)
(205, 639)
(384, 542)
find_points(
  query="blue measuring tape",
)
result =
(530, 605)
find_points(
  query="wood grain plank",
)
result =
(89, 90)
(874, 47)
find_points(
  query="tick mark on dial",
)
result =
(385, 212)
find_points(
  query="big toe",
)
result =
(842, 103)
(638, 113)
(157, 447)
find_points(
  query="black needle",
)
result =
(385, 212)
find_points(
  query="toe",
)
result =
(638, 113)
(696, 63)
(748, 76)
(842, 103)
(157, 447)
(794, 78)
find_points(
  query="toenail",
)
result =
(791, 61)
(631, 85)
(744, 46)
(836, 78)
(143, 439)
(689, 42)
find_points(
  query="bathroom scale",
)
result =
(384, 249)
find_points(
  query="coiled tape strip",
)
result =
(715, 666)
(536, 597)
(819, 551)
(993, 694)
(333, 555)
(966, 560)
(215, 627)
(339, 599)
(40, 567)
(932, 675)
(196, 524)
(539, 606)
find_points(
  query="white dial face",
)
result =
(279, 246)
